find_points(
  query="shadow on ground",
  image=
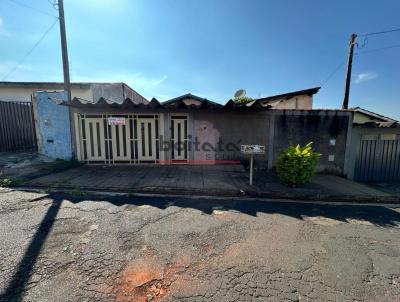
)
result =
(377, 215)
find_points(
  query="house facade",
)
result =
(356, 143)
(192, 130)
(24, 91)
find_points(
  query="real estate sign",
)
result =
(252, 149)
(116, 121)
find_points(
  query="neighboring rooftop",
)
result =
(373, 120)
(289, 95)
(373, 114)
(52, 84)
(115, 91)
(191, 101)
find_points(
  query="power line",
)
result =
(33, 8)
(333, 72)
(31, 50)
(377, 49)
(381, 32)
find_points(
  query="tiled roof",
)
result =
(289, 95)
(373, 124)
(182, 102)
(155, 104)
(373, 114)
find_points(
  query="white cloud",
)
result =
(7, 66)
(136, 80)
(365, 76)
(3, 31)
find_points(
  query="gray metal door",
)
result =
(17, 127)
(378, 159)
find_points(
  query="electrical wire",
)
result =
(377, 49)
(33, 8)
(30, 50)
(333, 72)
(381, 32)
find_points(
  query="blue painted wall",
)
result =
(54, 125)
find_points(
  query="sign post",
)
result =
(252, 149)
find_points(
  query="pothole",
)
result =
(145, 281)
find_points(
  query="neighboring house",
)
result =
(193, 130)
(301, 99)
(363, 116)
(24, 91)
(374, 149)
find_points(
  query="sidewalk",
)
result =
(219, 180)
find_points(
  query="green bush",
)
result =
(296, 164)
(243, 99)
(6, 182)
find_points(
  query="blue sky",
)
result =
(166, 48)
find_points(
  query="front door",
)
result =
(121, 146)
(94, 136)
(179, 138)
(146, 129)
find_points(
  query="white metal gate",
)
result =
(93, 138)
(179, 137)
(121, 148)
(146, 138)
(136, 139)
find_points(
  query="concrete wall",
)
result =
(52, 125)
(317, 126)
(13, 94)
(276, 129)
(225, 131)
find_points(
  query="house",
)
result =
(24, 91)
(301, 99)
(374, 147)
(191, 130)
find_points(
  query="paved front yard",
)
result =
(60, 248)
(227, 180)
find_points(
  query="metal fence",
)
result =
(17, 127)
(378, 160)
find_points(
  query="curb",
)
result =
(232, 194)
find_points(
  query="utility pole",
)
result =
(352, 42)
(67, 83)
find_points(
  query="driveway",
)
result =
(86, 248)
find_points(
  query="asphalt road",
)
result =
(79, 248)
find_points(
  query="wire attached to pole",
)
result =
(30, 50)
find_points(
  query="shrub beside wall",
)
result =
(296, 164)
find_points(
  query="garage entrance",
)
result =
(378, 158)
(113, 139)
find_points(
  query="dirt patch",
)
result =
(146, 280)
(325, 221)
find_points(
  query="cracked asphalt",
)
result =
(57, 247)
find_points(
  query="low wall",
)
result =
(225, 131)
(276, 129)
(52, 125)
(326, 129)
